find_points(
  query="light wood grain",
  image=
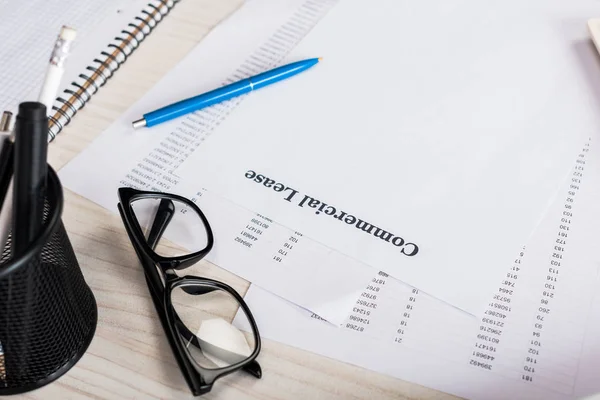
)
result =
(129, 356)
(594, 29)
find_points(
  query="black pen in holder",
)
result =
(48, 313)
(30, 171)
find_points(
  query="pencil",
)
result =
(56, 68)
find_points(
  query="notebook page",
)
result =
(537, 339)
(30, 28)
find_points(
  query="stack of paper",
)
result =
(538, 337)
(418, 159)
(419, 146)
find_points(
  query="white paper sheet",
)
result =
(250, 245)
(537, 339)
(446, 127)
(297, 268)
(30, 28)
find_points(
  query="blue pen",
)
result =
(224, 93)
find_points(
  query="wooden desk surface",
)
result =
(129, 356)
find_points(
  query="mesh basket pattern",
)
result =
(48, 314)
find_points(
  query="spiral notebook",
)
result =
(108, 32)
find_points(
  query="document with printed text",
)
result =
(427, 144)
(538, 338)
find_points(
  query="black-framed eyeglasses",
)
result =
(194, 311)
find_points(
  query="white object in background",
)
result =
(222, 343)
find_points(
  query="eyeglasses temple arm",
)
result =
(164, 214)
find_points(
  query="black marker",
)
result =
(30, 169)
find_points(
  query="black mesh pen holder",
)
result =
(48, 313)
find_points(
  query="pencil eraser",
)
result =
(67, 33)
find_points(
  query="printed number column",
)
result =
(494, 321)
(551, 359)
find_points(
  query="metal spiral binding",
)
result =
(81, 90)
